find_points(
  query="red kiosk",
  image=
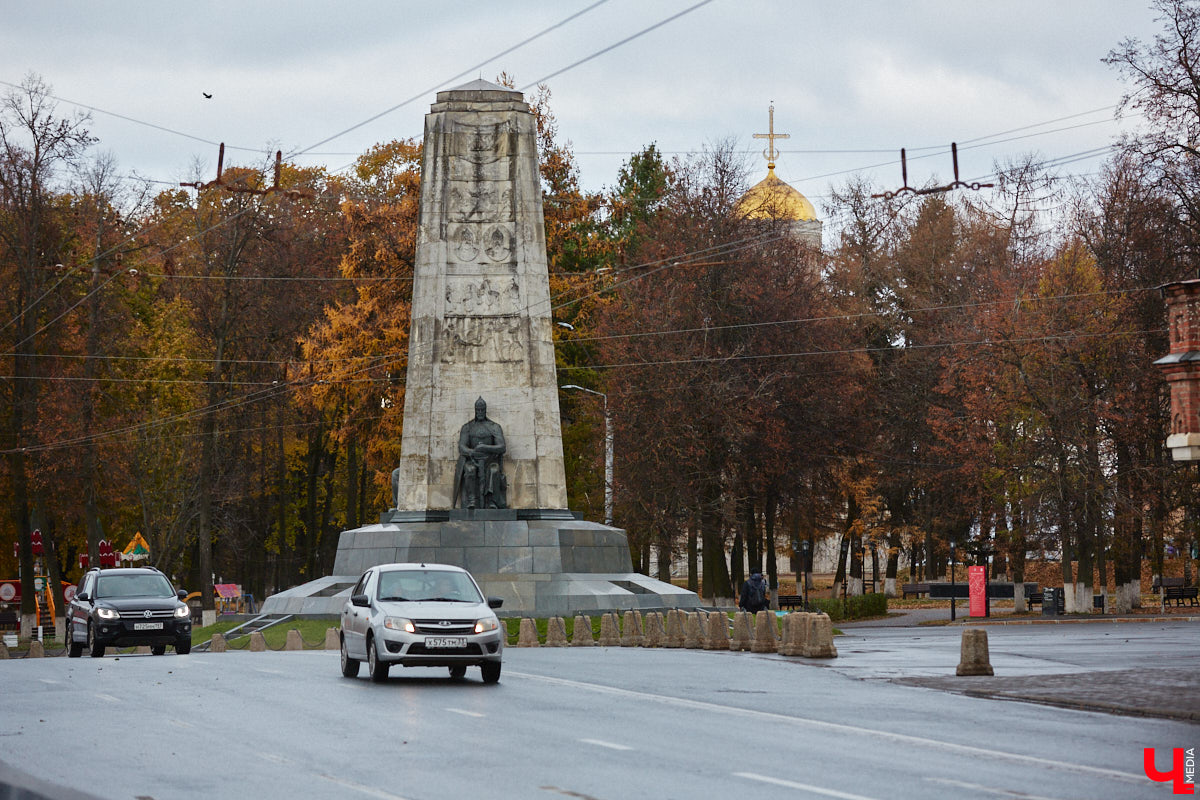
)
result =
(1181, 368)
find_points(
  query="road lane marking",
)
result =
(464, 712)
(108, 697)
(807, 787)
(854, 730)
(181, 724)
(975, 787)
(269, 671)
(358, 787)
(273, 758)
(609, 745)
(49, 681)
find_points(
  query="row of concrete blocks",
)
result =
(258, 642)
(802, 634)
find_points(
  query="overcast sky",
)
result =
(870, 77)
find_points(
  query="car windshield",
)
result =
(417, 585)
(133, 586)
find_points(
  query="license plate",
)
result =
(147, 626)
(445, 641)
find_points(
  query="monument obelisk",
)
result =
(481, 482)
(481, 323)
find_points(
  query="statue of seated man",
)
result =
(478, 477)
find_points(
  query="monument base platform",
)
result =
(544, 566)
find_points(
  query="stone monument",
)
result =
(481, 481)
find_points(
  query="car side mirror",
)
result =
(495, 602)
(82, 597)
(182, 594)
(360, 600)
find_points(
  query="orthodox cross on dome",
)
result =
(770, 153)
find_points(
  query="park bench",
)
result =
(915, 589)
(1178, 594)
(9, 619)
(1167, 583)
(1034, 598)
(790, 601)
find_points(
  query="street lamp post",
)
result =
(953, 589)
(608, 451)
(804, 566)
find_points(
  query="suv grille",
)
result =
(445, 627)
(154, 614)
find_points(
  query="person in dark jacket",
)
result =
(754, 594)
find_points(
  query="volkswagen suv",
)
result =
(127, 607)
(420, 615)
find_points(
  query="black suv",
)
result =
(127, 607)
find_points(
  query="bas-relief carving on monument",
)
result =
(479, 480)
(482, 340)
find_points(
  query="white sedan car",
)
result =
(420, 615)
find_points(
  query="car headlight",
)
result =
(399, 624)
(183, 612)
(107, 613)
(485, 625)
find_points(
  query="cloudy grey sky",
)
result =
(866, 76)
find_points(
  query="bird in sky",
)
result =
(207, 96)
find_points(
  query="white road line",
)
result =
(269, 671)
(178, 723)
(49, 681)
(358, 787)
(802, 786)
(837, 727)
(975, 787)
(464, 712)
(108, 697)
(609, 745)
(275, 759)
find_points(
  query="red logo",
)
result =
(1182, 773)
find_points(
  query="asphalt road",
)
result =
(604, 723)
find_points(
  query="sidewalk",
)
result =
(1089, 662)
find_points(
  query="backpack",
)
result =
(756, 597)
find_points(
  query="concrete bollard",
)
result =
(795, 634)
(37, 650)
(218, 644)
(4, 651)
(258, 642)
(293, 642)
(974, 660)
(742, 638)
(674, 632)
(717, 637)
(631, 630)
(765, 639)
(819, 637)
(331, 639)
(582, 635)
(610, 633)
(693, 634)
(656, 634)
(556, 632)
(528, 636)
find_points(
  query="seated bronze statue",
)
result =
(479, 477)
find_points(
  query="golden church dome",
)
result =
(772, 198)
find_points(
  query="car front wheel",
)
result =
(74, 648)
(95, 649)
(378, 669)
(349, 665)
(458, 672)
(490, 671)
(158, 649)
(183, 647)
